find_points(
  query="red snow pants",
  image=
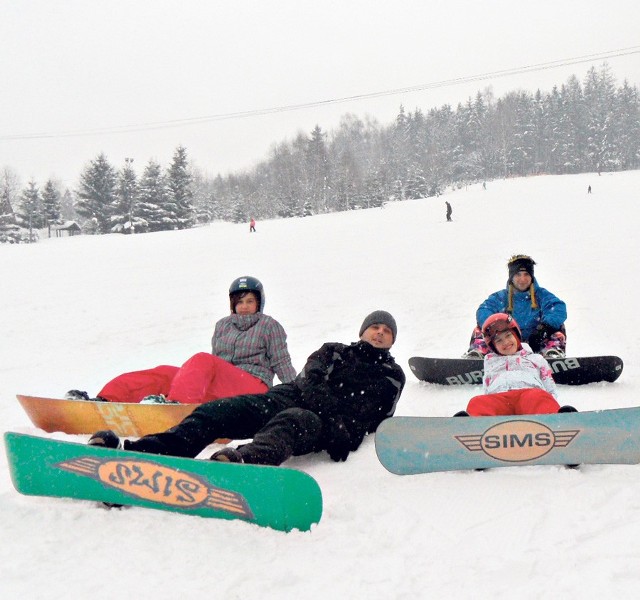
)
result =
(527, 401)
(202, 378)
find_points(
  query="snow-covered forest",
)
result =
(593, 125)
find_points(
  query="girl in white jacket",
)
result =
(516, 381)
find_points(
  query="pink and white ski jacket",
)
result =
(517, 371)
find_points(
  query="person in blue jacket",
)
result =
(540, 314)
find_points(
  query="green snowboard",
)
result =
(276, 497)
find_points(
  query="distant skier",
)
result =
(449, 211)
(252, 225)
(589, 190)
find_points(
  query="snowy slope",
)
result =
(77, 311)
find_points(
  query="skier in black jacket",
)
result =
(342, 393)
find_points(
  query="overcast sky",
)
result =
(76, 66)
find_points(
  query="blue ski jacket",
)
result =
(546, 308)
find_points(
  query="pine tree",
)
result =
(205, 205)
(440, 149)
(97, 193)
(398, 159)
(30, 214)
(9, 229)
(180, 191)
(124, 218)
(573, 126)
(417, 185)
(51, 205)
(599, 97)
(628, 126)
(152, 199)
(540, 148)
(67, 206)
(522, 155)
(553, 114)
(347, 153)
(317, 169)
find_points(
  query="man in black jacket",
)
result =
(342, 393)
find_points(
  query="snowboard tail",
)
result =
(469, 371)
(77, 417)
(411, 445)
(276, 497)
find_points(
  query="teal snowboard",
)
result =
(410, 445)
(276, 497)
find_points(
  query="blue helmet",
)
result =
(248, 284)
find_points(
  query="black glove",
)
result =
(539, 336)
(337, 439)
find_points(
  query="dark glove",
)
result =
(337, 439)
(539, 336)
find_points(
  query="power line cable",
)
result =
(292, 107)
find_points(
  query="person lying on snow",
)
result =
(342, 393)
(516, 381)
(248, 349)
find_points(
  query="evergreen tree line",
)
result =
(117, 202)
(107, 200)
(593, 126)
(579, 127)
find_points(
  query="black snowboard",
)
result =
(566, 371)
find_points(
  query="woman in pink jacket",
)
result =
(248, 349)
(516, 381)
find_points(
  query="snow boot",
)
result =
(157, 399)
(76, 395)
(477, 346)
(81, 395)
(106, 439)
(473, 354)
(552, 353)
(230, 455)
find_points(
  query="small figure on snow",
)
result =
(484, 185)
(252, 225)
(516, 381)
(541, 314)
(342, 393)
(248, 349)
(589, 190)
(449, 210)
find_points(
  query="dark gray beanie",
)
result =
(382, 317)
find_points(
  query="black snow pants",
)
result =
(278, 427)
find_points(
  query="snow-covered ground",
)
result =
(75, 312)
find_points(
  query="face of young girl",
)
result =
(505, 343)
(247, 305)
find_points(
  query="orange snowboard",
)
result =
(81, 417)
